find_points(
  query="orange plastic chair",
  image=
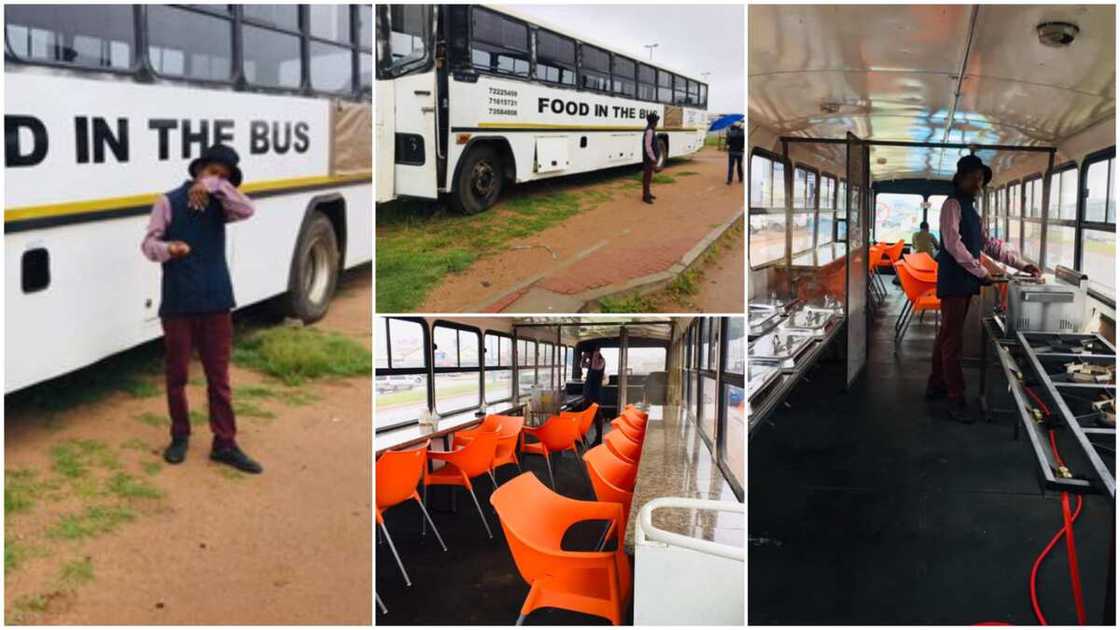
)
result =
(638, 417)
(509, 434)
(920, 297)
(622, 423)
(489, 424)
(584, 419)
(624, 447)
(462, 464)
(556, 435)
(637, 411)
(534, 520)
(398, 473)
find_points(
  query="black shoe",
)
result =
(934, 393)
(177, 451)
(729, 182)
(235, 457)
(653, 196)
(959, 411)
(648, 200)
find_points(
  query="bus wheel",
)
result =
(662, 152)
(480, 181)
(315, 268)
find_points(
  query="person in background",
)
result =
(960, 276)
(594, 365)
(187, 236)
(650, 156)
(924, 240)
(735, 141)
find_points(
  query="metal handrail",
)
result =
(646, 530)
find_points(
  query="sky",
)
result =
(691, 38)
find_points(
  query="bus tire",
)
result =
(480, 180)
(662, 152)
(315, 269)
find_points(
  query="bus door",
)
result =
(406, 101)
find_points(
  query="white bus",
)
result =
(104, 108)
(471, 97)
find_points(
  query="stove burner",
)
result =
(1071, 346)
(1090, 373)
(1107, 409)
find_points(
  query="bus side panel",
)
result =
(385, 132)
(359, 224)
(414, 170)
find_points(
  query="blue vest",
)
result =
(199, 282)
(953, 280)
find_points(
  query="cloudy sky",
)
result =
(691, 38)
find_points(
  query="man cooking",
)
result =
(960, 276)
(187, 235)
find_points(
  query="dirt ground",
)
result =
(719, 282)
(616, 241)
(290, 546)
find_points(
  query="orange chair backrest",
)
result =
(895, 251)
(587, 418)
(534, 519)
(624, 446)
(508, 433)
(490, 423)
(874, 255)
(558, 433)
(622, 423)
(637, 418)
(398, 473)
(910, 286)
(610, 468)
(476, 457)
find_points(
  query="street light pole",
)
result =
(650, 47)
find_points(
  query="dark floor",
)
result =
(474, 582)
(869, 507)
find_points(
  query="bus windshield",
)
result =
(402, 43)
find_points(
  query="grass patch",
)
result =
(289, 396)
(26, 604)
(151, 468)
(251, 409)
(15, 553)
(628, 303)
(298, 398)
(199, 417)
(74, 458)
(686, 173)
(658, 178)
(153, 419)
(254, 391)
(76, 573)
(22, 490)
(135, 444)
(416, 250)
(142, 389)
(296, 355)
(126, 486)
(93, 521)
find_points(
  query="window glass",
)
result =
(933, 214)
(708, 407)
(703, 94)
(680, 91)
(623, 74)
(365, 26)
(842, 196)
(1063, 195)
(803, 225)
(1032, 240)
(1097, 198)
(330, 67)
(595, 68)
(408, 25)
(693, 92)
(499, 385)
(824, 228)
(499, 44)
(92, 36)
(642, 361)
(278, 15)
(400, 398)
(556, 58)
(1060, 241)
(1098, 256)
(664, 87)
(734, 435)
(736, 358)
(526, 360)
(468, 348)
(897, 216)
(1033, 199)
(365, 71)
(446, 350)
(1013, 238)
(647, 83)
(330, 21)
(828, 191)
(272, 59)
(456, 391)
(1014, 208)
(190, 45)
(407, 338)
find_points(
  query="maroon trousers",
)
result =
(212, 335)
(945, 370)
(647, 179)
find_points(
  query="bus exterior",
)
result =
(470, 97)
(105, 107)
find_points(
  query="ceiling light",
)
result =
(1057, 34)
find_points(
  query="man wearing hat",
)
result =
(959, 277)
(650, 155)
(735, 141)
(187, 235)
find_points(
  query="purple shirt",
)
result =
(951, 242)
(235, 205)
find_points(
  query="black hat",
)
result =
(969, 163)
(221, 154)
(652, 117)
(987, 174)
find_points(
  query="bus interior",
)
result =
(868, 504)
(556, 509)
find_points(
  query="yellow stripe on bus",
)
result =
(511, 125)
(98, 205)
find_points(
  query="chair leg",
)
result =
(480, 514)
(520, 620)
(493, 480)
(434, 530)
(548, 463)
(393, 548)
(381, 605)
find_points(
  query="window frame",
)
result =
(139, 55)
(695, 369)
(1049, 220)
(459, 369)
(529, 55)
(426, 339)
(1083, 225)
(548, 61)
(617, 76)
(498, 367)
(582, 70)
(753, 210)
(813, 209)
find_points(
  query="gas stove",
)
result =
(1067, 344)
(809, 321)
(781, 347)
(760, 377)
(761, 319)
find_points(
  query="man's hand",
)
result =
(178, 249)
(198, 197)
(1031, 269)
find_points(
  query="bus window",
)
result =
(804, 205)
(703, 95)
(693, 92)
(897, 216)
(1014, 214)
(826, 219)
(664, 87)
(595, 68)
(271, 58)
(365, 26)
(1061, 220)
(933, 214)
(499, 44)
(455, 353)
(329, 49)
(526, 365)
(285, 16)
(1032, 220)
(188, 44)
(408, 37)
(499, 368)
(623, 73)
(556, 58)
(328, 21)
(643, 361)
(1098, 233)
(680, 90)
(1100, 206)
(647, 83)
(91, 36)
(767, 241)
(401, 366)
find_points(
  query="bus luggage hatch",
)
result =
(552, 154)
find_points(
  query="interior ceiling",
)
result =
(890, 72)
(578, 328)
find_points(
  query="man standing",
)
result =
(650, 156)
(187, 235)
(593, 362)
(735, 141)
(960, 276)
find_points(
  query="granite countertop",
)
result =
(676, 463)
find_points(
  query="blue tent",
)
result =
(724, 122)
